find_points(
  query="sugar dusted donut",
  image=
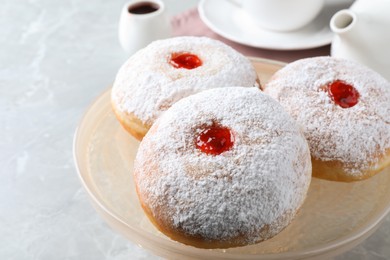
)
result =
(344, 109)
(167, 70)
(223, 168)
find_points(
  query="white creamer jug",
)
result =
(141, 22)
(362, 33)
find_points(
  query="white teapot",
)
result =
(362, 33)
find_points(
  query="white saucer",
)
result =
(230, 21)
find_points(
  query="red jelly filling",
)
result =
(343, 94)
(185, 60)
(214, 140)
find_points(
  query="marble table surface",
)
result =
(56, 57)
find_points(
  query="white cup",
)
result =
(141, 22)
(282, 15)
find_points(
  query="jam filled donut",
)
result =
(167, 70)
(222, 168)
(344, 109)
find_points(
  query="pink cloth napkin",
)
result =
(189, 23)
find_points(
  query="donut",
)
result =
(344, 110)
(223, 168)
(165, 71)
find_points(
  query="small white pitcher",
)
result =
(362, 34)
(141, 22)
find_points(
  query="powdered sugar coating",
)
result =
(354, 136)
(147, 84)
(252, 190)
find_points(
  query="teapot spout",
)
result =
(343, 21)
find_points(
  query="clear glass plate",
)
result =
(334, 218)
